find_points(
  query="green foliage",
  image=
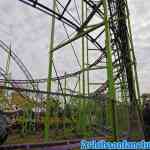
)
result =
(77, 118)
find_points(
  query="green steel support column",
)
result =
(65, 84)
(83, 52)
(111, 86)
(7, 73)
(8, 62)
(64, 103)
(122, 86)
(87, 48)
(136, 86)
(79, 85)
(49, 82)
(82, 102)
(132, 50)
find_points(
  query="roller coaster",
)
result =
(99, 34)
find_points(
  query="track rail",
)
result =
(19, 63)
(56, 145)
(60, 145)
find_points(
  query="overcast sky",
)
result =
(140, 14)
(28, 30)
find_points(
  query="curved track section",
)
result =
(69, 75)
(18, 62)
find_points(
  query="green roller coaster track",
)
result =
(104, 27)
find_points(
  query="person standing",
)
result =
(146, 119)
(3, 128)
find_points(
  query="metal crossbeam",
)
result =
(69, 1)
(50, 12)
